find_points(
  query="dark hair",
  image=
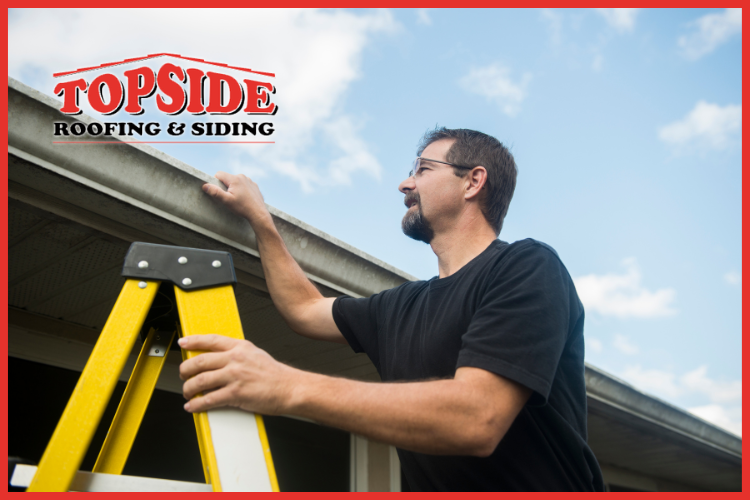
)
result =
(471, 148)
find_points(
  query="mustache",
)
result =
(411, 196)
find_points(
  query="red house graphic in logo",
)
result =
(178, 88)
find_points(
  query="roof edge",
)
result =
(611, 390)
(173, 186)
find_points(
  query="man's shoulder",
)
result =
(527, 256)
(526, 249)
(529, 245)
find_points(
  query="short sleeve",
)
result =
(522, 320)
(357, 319)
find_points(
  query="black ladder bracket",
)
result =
(187, 268)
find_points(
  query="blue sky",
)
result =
(625, 125)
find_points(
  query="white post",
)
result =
(358, 463)
(395, 465)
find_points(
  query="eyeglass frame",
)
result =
(415, 166)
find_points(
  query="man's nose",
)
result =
(407, 185)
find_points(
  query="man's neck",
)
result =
(457, 246)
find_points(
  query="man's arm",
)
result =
(301, 305)
(466, 415)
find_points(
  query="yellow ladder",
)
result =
(233, 443)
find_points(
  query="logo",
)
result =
(175, 89)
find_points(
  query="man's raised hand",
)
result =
(242, 196)
(300, 303)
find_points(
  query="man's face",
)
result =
(431, 195)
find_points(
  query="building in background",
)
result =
(73, 211)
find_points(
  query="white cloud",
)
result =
(597, 63)
(354, 154)
(494, 83)
(593, 344)
(554, 20)
(621, 19)
(716, 391)
(622, 296)
(707, 125)
(423, 17)
(733, 278)
(315, 54)
(660, 383)
(624, 345)
(725, 397)
(667, 384)
(727, 418)
(711, 31)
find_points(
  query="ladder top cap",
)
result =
(188, 268)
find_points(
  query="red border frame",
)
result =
(439, 3)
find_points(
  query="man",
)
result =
(488, 356)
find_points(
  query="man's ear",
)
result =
(475, 182)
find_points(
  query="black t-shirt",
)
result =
(513, 310)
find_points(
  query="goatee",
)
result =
(414, 225)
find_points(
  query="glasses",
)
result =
(418, 160)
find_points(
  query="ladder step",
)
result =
(96, 481)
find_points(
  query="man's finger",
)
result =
(225, 177)
(215, 399)
(204, 382)
(208, 342)
(216, 192)
(207, 361)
